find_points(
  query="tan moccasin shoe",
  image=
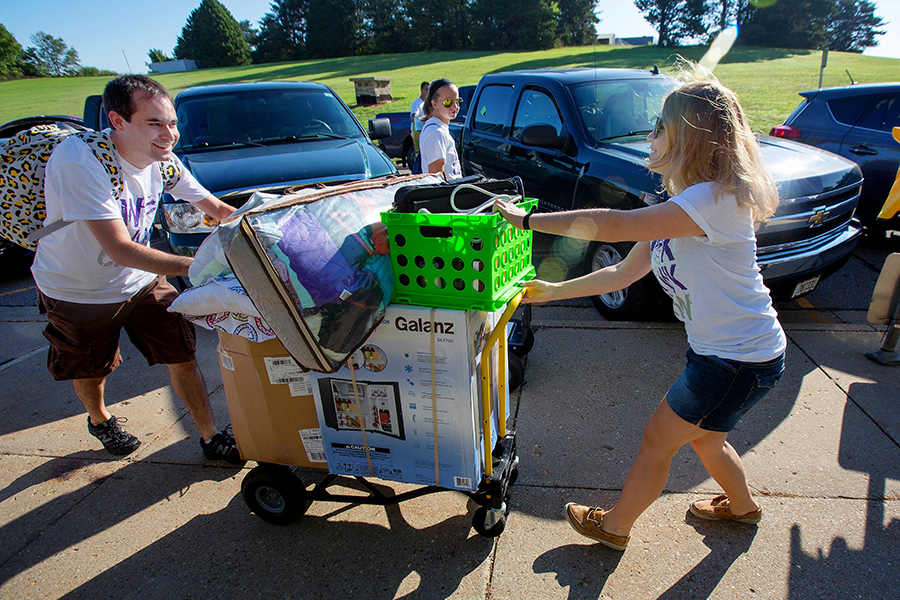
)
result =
(589, 522)
(717, 510)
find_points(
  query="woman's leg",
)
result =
(725, 466)
(664, 434)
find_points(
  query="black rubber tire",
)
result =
(274, 494)
(522, 350)
(478, 523)
(638, 302)
(515, 372)
(514, 473)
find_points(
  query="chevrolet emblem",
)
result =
(818, 217)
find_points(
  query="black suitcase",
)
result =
(436, 197)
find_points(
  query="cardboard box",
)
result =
(272, 409)
(385, 424)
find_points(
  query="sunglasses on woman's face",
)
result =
(658, 127)
(449, 102)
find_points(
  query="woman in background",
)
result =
(437, 146)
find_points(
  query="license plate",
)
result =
(805, 287)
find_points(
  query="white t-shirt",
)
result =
(715, 283)
(70, 264)
(416, 109)
(436, 143)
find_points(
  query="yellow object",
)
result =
(892, 205)
(497, 336)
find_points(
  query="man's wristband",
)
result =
(525, 224)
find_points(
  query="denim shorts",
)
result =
(714, 393)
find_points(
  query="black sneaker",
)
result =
(116, 440)
(222, 447)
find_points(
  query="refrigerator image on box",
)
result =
(379, 406)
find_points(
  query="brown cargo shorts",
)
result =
(84, 338)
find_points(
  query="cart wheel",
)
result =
(274, 494)
(480, 520)
(516, 370)
(522, 350)
(514, 472)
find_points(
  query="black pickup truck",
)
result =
(399, 144)
(578, 140)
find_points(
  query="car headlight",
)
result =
(187, 218)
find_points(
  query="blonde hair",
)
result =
(710, 140)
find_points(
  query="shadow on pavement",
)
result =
(842, 571)
(156, 484)
(583, 568)
(313, 558)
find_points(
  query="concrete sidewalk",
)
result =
(822, 451)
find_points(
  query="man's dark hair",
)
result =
(119, 93)
(423, 84)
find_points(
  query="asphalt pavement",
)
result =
(822, 453)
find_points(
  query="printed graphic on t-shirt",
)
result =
(138, 214)
(663, 261)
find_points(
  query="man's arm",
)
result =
(215, 207)
(115, 241)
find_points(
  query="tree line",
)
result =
(308, 29)
(48, 57)
(301, 29)
(840, 25)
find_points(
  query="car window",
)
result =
(536, 107)
(611, 109)
(884, 114)
(490, 113)
(262, 115)
(849, 109)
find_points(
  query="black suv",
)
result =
(856, 122)
(578, 140)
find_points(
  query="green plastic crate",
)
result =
(464, 262)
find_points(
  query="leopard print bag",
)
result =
(23, 162)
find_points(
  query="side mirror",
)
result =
(543, 136)
(379, 128)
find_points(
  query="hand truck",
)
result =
(276, 493)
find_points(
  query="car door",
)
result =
(548, 173)
(871, 145)
(484, 142)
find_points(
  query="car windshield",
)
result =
(262, 117)
(616, 109)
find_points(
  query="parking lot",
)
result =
(821, 453)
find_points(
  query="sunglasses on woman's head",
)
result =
(449, 102)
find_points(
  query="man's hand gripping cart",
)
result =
(276, 493)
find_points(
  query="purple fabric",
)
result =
(314, 258)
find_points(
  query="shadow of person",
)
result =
(232, 554)
(583, 568)
(726, 542)
(108, 497)
(843, 571)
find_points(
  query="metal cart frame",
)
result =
(276, 493)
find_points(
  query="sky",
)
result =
(117, 34)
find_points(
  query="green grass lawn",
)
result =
(767, 79)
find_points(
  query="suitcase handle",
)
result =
(478, 209)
